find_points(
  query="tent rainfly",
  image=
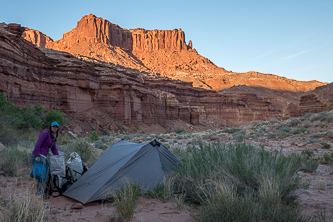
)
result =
(144, 164)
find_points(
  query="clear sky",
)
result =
(290, 38)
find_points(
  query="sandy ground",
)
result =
(147, 209)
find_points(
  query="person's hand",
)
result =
(37, 159)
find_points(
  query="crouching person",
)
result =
(45, 143)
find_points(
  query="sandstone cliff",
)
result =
(108, 96)
(161, 52)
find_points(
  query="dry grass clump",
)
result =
(164, 191)
(25, 207)
(13, 160)
(125, 202)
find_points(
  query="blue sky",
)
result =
(290, 38)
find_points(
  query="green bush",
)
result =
(240, 182)
(180, 130)
(94, 136)
(318, 116)
(308, 154)
(55, 115)
(271, 135)
(283, 128)
(294, 122)
(126, 137)
(258, 123)
(239, 137)
(13, 117)
(312, 140)
(100, 145)
(300, 130)
(230, 130)
(13, 160)
(283, 134)
(327, 157)
(307, 115)
(106, 132)
(325, 145)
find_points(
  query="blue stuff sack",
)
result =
(38, 171)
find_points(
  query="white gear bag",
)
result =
(57, 170)
(57, 164)
(74, 163)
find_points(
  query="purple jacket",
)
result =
(43, 144)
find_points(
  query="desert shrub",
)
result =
(258, 123)
(25, 206)
(100, 145)
(329, 118)
(262, 129)
(230, 130)
(13, 117)
(283, 128)
(127, 137)
(13, 160)
(310, 165)
(94, 136)
(312, 140)
(125, 201)
(247, 182)
(271, 135)
(180, 137)
(300, 130)
(327, 157)
(318, 135)
(294, 122)
(307, 153)
(307, 115)
(55, 115)
(325, 145)
(329, 134)
(256, 135)
(180, 130)
(306, 124)
(106, 132)
(318, 116)
(282, 134)
(272, 120)
(239, 137)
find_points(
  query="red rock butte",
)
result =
(161, 52)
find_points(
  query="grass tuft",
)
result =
(125, 201)
(24, 207)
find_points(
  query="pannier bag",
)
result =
(75, 166)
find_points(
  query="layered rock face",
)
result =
(154, 40)
(160, 52)
(108, 96)
(318, 100)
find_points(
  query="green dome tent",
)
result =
(144, 164)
